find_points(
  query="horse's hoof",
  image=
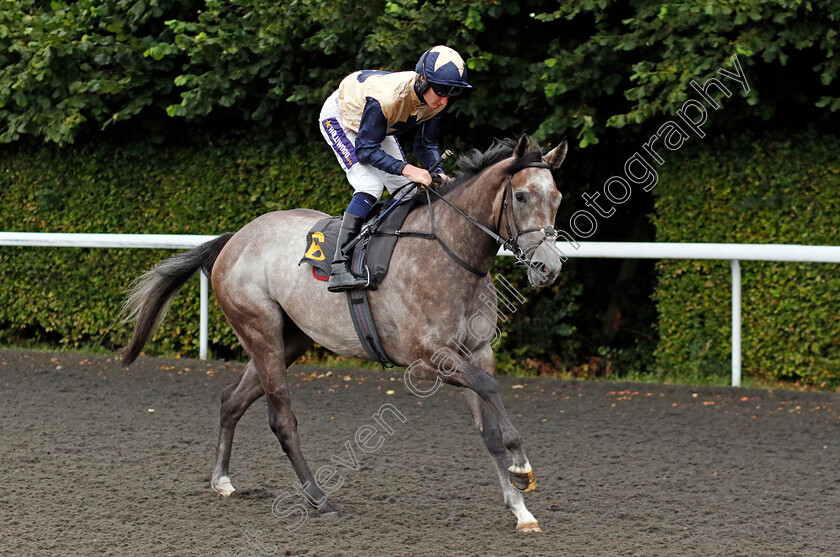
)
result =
(223, 486)
(327, 511)
(529, 527)
(522, 479)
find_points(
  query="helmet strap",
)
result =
(424, 82)
(422, 85)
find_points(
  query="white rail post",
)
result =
(202, 342)
(736, 322)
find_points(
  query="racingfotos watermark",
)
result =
(639, 169)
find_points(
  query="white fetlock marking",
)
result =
(521, 470)
(523, 515)
(223, 486)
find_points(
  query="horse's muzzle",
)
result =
(545, 262)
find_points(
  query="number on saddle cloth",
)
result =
(377, 247)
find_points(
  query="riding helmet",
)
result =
(441, 65)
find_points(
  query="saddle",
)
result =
(374, 250)
(371, 258)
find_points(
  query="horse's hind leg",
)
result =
(284, 425)
(259, 323)
(238, 397)
(488, 425)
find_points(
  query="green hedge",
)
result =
(754, 192)
(72, 296)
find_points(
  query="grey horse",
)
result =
(422, 306)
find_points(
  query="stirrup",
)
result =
(348, 280)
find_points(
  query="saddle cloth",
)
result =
(376, 249)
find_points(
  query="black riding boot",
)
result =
(341, 277)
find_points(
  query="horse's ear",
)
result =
(556, 156)
(522, 146)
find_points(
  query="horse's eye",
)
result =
(520, 197)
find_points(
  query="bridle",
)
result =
(511, 243)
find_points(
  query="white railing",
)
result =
(633, 250)
(732, 252)
(150, 241)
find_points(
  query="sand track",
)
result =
(98, 460)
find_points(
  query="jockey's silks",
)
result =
(375, 104)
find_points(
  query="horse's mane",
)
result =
(474, 161)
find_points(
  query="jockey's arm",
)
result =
(426, 143)
(372, 131)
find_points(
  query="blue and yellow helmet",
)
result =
(443, 69)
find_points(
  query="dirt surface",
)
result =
(100, 460)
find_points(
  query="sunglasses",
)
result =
(446, 90)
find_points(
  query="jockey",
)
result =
(360, 120)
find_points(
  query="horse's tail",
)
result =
(153, 291)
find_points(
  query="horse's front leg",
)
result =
(449, 367)
(488, 425)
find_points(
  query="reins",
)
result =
(511, 243)
(432, 236)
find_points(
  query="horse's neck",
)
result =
(477, 198)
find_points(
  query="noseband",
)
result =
(511, 243)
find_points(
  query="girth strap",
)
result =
(362, 317)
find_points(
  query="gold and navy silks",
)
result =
(375, 104)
